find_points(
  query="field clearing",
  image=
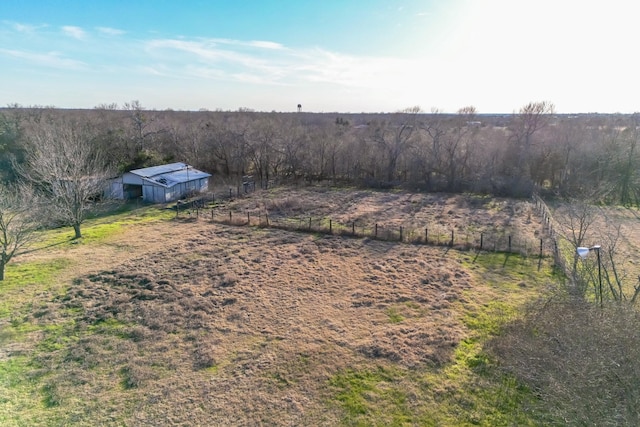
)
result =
(463, 221)
(394, 208)
(186, 322)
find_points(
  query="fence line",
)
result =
(490, 240)
(549, 229)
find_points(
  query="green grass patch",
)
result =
(488, 320)
(97, 230)
(19, 383)
(101, 226)
(394, 315)
(58, 336)
(372, 397)
(471, 391)
(32, 273)
(24, 280)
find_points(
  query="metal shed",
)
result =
(161, 184)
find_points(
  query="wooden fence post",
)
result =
(230, 192)
(540, 248)
(451, 238)
(330, 226)
(481, 240)
(375, 233)
(540, 257)
(229, 217)
(248, 219)
(509, 243)
(401, 233)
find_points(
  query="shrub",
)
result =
(580, 360)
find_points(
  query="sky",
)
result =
(345, 56)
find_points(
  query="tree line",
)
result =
(588, 155)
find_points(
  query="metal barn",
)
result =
(160, 184)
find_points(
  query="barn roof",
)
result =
(170, 174)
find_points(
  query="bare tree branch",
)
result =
(66, 170)
(17, 226)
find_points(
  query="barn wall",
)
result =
(114, 189)
(160, 194)
(129, 178)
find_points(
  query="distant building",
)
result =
(159, 184)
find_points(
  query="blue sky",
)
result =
(330, 56)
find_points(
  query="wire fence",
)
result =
(212, 207)
(549, 229)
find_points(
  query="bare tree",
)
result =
(627, 177)
(17, 226)
(574, 220)
(613, 273)
(456, 146)
(529, 120)
(395, 137)
(64, 167)
(10, 146)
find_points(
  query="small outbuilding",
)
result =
(160, 184)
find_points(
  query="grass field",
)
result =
(152, 320)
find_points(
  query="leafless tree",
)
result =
(17, 225)
(66, 170)
(456, 146)
(529, 120)
(263, 146)
(394, 137)
(626, 177)
(575, 219)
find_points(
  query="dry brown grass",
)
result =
(192, 323)
(253, 324)
(449, 211)
(470, 220)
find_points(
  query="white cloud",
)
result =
(265, 44)
(249, 62)
(110, 31)
(25, 28)
(75, 32)
(49, 59)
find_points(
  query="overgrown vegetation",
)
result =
(579, 359)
